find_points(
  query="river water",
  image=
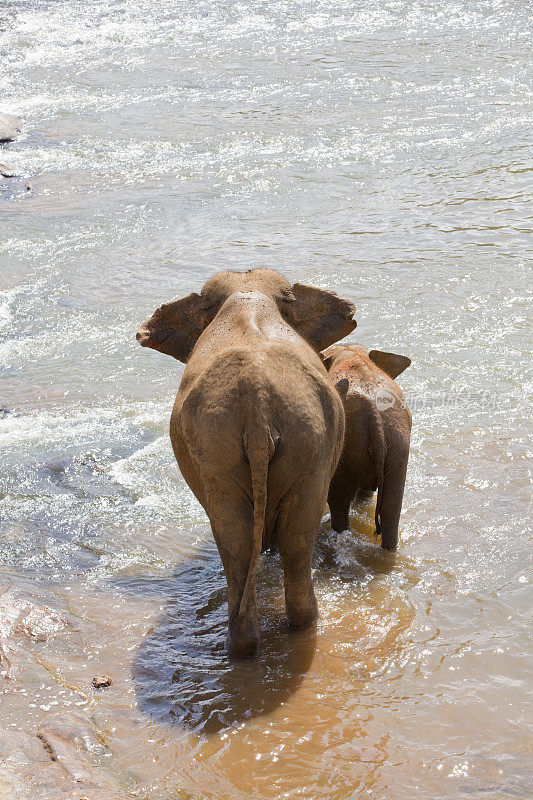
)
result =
(378, 149)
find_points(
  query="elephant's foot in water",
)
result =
(243, 635)
(340, 519)
(301, 607)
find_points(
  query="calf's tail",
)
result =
(378, 450)
(377, 517)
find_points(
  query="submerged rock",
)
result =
(62, 755)
(9, 127)
(70, 741)
(6, 171)
(68, 767)
(23, 620)
(6, 789)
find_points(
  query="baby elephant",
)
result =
(376, 443)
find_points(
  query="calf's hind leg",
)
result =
(340, 497)
(390, 503)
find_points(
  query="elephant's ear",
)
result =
(320, 317)
(327, 361)
(330, 354)
(390, 363)
(175, 327)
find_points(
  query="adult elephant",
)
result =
(257, 428)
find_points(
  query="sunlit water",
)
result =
(377, 149)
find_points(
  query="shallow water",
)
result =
(378, 149)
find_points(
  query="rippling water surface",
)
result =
(378, 149)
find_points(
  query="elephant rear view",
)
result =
(376, 444)
(257, 428)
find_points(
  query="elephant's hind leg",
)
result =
(296, 535)
(390, 503)
(232, 526)
(340, 497)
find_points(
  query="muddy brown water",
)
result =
(376, 149)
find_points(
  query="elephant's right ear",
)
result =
(321, 317)
(390, 363)
(175, 327)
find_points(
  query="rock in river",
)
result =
(69, 766)
(102, 681)
(70, 741)
(7, 171)
(9, 127)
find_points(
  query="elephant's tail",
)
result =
(377, 517)
(259, 448)
(378, 450)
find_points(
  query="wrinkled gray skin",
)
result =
(257, 427)
(376, 442)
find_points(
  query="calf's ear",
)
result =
(390, 363)
(330, 354)
(175, 327)
(327, 361)
(320, 317)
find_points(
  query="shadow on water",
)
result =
(182, 672)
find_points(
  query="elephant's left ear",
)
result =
(175, 327)
(320, 317)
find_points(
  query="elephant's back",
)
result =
(295, 391)
(300, 408)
